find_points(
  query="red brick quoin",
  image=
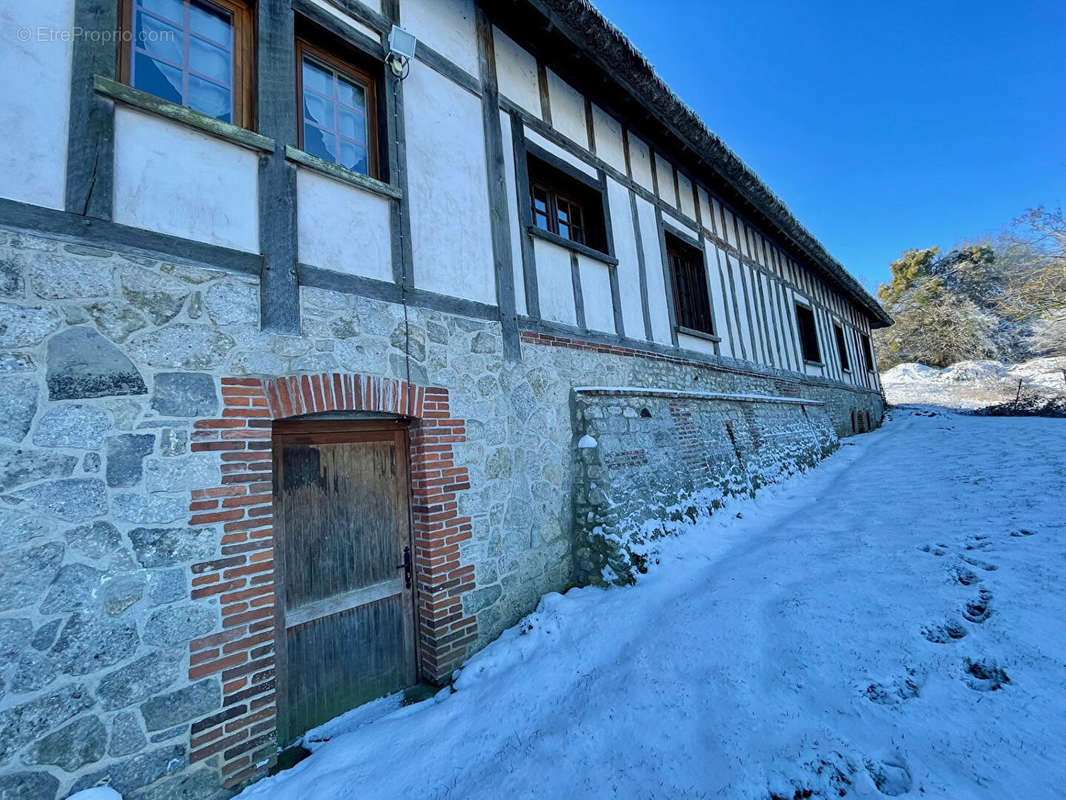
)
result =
(241, 653)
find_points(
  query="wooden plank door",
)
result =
(345, 611)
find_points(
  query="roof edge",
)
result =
(604, 43)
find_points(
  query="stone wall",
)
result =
(646, 458)
(108, 361)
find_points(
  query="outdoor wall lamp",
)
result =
(401, 51)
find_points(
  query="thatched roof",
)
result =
(604, 44)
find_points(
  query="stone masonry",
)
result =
(120, 508)
(664, 456)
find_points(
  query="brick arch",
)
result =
(240, 653)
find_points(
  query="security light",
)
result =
(401, 51)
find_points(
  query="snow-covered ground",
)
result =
(974, 384)
(891, 623)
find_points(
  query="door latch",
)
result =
(406, 567)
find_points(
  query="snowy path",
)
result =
(811, 645)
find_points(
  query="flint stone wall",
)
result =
(649, 458)
(106, 361)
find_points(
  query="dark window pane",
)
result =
(318, 143)
(209, 98)
(211, 23)
(842, 350)
(351, 94)
(353, 156)
(317, 79)
(171, 10)
(159, 39)
(808, 334)
(318, 110)
(157, 78)
(210, 61)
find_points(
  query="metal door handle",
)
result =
(406, 567)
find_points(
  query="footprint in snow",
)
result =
(1021, 532)
(946, 633)
(964, 576)
(896, 692)
(979, 609)
(935, 549)
(891, 776)
(976, 562)
(985, 676)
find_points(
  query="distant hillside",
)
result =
(975, 384)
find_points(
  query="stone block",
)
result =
(136, 682)
(125, 456)
(176, 625)
(82, 364)
(173, 708)
(166, 547)
(18, 404)
(26, 573)
(73, 746)
(185, 394)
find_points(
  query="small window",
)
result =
(867, 352)
(808, 334)
(566, 206)
(842, 350)
(193, 53)
(337, 110)
(692, 302)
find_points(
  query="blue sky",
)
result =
(883, 125)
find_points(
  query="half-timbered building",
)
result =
(334, 333)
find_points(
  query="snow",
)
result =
(96, 793)
(586, 442)
(893, 623)
(974, 384)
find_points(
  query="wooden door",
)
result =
(345, 611)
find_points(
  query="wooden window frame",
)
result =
(552, 202)
(243, 88)
(352, 73)
(842, 347)
(692, 304)
(813, 337)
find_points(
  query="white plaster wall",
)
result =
(177, 180)
(750, 298)
(793, 330)
(568, 110)
(640, 162)
(730, 230)
(341, 227)
(451, 242)
(747, 345)
(608, 133)
(625, 250)
(516, 73)
(348, 19)
(555, 282)
(560, 153)
(653, 264)
(445, 25)
(674, 222)
(773, 340)
(714, 280)
(596, 292)
(664, 172)
(34, 100)
(705, 209)
(688, 200)
(695, 343)
(517, 231)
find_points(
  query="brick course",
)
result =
(241, 733)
